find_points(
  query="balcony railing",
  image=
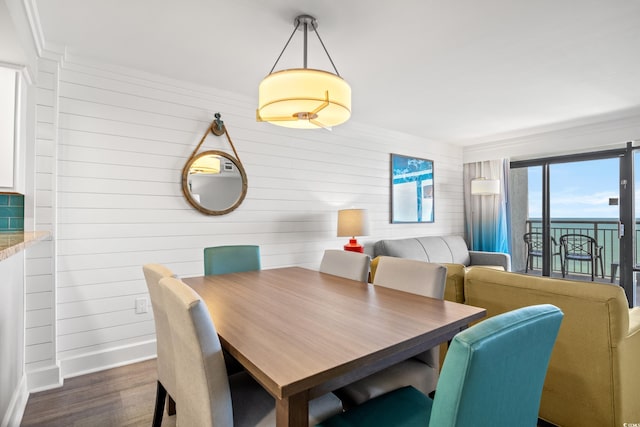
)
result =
(604, 231)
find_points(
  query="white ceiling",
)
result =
(464, 71)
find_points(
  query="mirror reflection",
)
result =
(214, 182)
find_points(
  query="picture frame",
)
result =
(412, 189)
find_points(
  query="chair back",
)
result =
(350, 265)
(418, 277)
(203, 396)
(578, 246)
(153, 273)
(410, 275)
(533, 240)
(231, 259)
(494, 371)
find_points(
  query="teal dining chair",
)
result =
(231, 259)
(492, 376)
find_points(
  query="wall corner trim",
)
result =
(44, 379)
(18, 403)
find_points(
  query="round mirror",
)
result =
(214, 182)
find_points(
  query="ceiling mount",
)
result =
(310, 21)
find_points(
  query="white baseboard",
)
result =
(15, 411)
(106, 359)
(44, 379)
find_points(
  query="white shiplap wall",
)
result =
(123, 139)
(40, 326)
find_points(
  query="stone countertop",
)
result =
(13, 242)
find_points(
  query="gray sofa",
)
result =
(449, 250)
(440, 249)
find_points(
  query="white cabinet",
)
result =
(7, 127)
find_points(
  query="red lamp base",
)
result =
(354, 246)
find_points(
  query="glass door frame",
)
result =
(626, 208)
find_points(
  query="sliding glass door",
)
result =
(580, 217)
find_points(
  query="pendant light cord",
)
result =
(285, 47)
(327, 52)
(305, 48)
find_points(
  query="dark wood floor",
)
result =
(116, 397)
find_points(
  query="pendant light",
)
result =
(304, 98)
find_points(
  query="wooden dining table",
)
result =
(301, 333)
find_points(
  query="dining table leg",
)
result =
(293, 411)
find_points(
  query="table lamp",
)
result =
(352, 223)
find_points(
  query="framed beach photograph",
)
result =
(412, 185)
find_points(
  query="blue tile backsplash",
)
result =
(11, 212)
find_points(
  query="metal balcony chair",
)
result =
(581, 248)
(533, 240)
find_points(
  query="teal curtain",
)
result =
(487, 216)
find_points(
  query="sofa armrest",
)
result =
(629, 369)
(634, 321)
(454, 288)
(490, 258)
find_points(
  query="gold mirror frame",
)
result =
(217, 128)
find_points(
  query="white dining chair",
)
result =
(421, 371)
(166, 385)
(206, 396)
(350, 265)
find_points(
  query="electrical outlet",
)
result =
(142, 305)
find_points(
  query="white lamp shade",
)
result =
(353, 222)
(485, 187)
(286, 97)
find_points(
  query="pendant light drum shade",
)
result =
(304, 98)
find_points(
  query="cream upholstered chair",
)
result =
(153, 273)
(206, 396)
(350, 265)
(421, 371)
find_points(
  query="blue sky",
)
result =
(578, 190)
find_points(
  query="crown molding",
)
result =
(33, 18)
(610, 131)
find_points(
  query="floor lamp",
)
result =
(481, 187)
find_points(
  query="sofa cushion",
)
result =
(458, 248)
(449, 249)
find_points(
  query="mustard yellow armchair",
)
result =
(594, 371)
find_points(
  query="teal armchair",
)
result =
(492, 376)
(231, 259)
